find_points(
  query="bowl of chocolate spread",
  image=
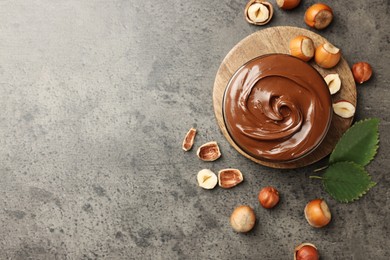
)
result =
(277, 108)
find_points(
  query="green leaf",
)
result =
(359, 144)
(346, 181)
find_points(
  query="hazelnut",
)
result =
(317, 213)
(306, 251)
(228, 178)
(302, 47)
(207, 179)
(243, 219)
(334, 83)
(209, 151)
(318, 16)
(268, 197)
(188, 141)
(344, 108)
(288, 4)
(327, 56)
(258, 12)
(362, 72)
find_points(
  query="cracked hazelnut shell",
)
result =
(255, 13)
(209, 151)
(188, 141)
(228, 178)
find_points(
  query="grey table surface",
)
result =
(96, 97)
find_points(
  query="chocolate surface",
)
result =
(277, 108)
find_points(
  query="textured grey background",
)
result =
(96, 97)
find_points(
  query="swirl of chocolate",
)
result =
(277, 108)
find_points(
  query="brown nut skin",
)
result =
(318, 16)
(362, 72)
(317, 213)
(306, 251)
(288, 4)
(243, 219)
(327, 56)
(268, 197)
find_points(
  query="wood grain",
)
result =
(276, 40)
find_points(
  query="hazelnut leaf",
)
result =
(346, 181)
(359, 144)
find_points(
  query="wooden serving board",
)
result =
(276, 40)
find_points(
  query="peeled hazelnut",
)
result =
(188, 141)
(209, 151)
(268, 197)
(258, 12)
(228, 178)
(287, 4)
(327, 56)
(306, 251)
(318, 16)
(302, 47)
(317, 213)
(344, 109)
(334, 83)
(362, 72)
(243, 219)
(207, 179)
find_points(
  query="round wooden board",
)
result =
(276, 40)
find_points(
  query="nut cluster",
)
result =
(326, 55)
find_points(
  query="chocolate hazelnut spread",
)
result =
(277, 108)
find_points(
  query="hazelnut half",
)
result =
(268, 197)
(344, 108)
(302, 47)
(317, 213)
(209, 151)
(362, 72)
(228, 178)
(306, 251)
(334, 83)
(188, 141)
(327, 56)
(243, 219)
(318, 16)
(258, 12)
(207, 179)
(287, 4)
